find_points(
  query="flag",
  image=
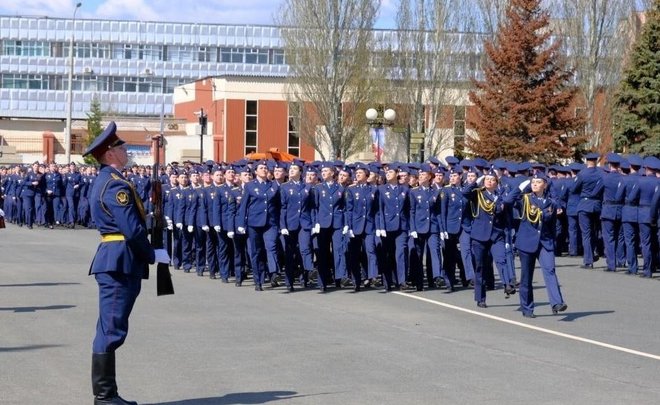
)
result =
(378, 142)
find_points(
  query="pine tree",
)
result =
(94, 128)
(637, 105)
(524, 105)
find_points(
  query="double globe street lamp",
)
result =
(378, 119)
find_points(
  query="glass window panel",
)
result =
(251, 123)
(251, 107)
(250, 138)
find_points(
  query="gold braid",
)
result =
(483, 204)
(532, 214)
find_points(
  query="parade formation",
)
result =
(399, 226)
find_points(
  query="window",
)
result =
(171, 83)
(180, 53)
(150, 85)
(150, 52)
(87, 83)
(232, 55)
(459, 121)
(87, 50)
(26, 48)
(277, 57)
(126, 84)
(257, 56)
(251, 126)
(294, 129)
(17, 81)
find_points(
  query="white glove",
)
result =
(351, 234)
(316, 229)
(445, 235)
(523, 185)
(413, 234)
(285, 232)
(230, 235)
(206, 228)
(344, 231)
(383, 234)
(168, 219)
(162, 256)
(190, 228)
(480, 180)
(2, 213)
(507, 246)
(241, 230)
(169, 226)
(179, 225)
(442, 235)
(217, 228)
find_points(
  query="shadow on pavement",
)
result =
(35, 309)
(26, 348)
(571, 316)
(240, 398)
(37, 284)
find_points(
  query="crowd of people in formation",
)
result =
(364, 225)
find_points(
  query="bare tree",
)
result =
(488, 14)
(596, 34)
(328, 45)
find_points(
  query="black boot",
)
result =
(104, 385)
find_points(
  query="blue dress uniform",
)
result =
(330, 205)
(573, 199)
(589, 185)
(536, 240)
(425, 227)
(296, 217)
(361, 212)
(241, 257)
(186, 226)
(648, 186)
(120, 263)
(142, 186)
(19, 186)
(198, 218)
(72, 193)
(487, 234)
(613, 198)
(258, 215)
(211, 194)
(33, 181)
(629, 219)
(453, 210)
(393, 218)
(223, 214)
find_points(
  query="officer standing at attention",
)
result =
(120, 262)
(613, 198)
(589, 185)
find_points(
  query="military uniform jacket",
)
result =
(648, 187)
(453, 209)
(631, 198)
(425, 210)
(330, 205)
(142, 186)
(72, 184)
(361, 208)
(393, 207)
(614, 190)
(488, 213)
(196, 207)
(54, 183)
(260, 205)
(589, 185)
(297, 206)
(184, 198)
(225, 211)
(30, 189)
(538, 221)
(117, 209)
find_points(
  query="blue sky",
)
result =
(209, 11)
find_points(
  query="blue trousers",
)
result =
(117, 295)
(429, 243)
(481, 251)
(546, 260)
(72, 207)
(611, 229)
(28, 210)
(224, 252)
(573, 235)
(588, 221)
(645, 235)
(465, 243)
(262, 241)
(240, 256)
(212, 251)
(330, 242)
(630, 231)
(395, 252)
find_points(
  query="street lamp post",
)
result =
(203, 121)
(69, 99)
(378, 120)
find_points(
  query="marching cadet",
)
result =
(648, 186)
(426, 226)
(574, 239)
(613, 199)
(72, 194)
(361, 211)
(258, 217)
(393, 221)
(296, 199)
(629, 213)
(536, 241)
(184, 199)
(589, 185)
(19, 185)
(241, 259)
(212, 180)
(308, 244)
(487, 233)
(197, 220)
(120, 262)
(330, 205)
(33, 181)
(170, 190)
(453, 212)
(223, 223)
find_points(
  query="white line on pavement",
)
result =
(532, 327)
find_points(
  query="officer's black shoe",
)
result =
(273, 280)
(559, 308)
(290, 289)
(323, 289)
(225, 281)
(238, 284)
(258, 287)
(338, 283)
(212, 276)
(529, 315)
(509, 289)
(587, 266)
(356, 288)
(482, 304)
(104, 385)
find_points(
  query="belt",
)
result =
(112, 237)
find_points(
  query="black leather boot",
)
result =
(104, 385)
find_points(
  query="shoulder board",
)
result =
(415, 188)
(352, 185)
(447, 186)
(235, 188)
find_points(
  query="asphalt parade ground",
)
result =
(214, 343)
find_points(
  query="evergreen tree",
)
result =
(524, 106)
(637, 105)
(94, 128)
